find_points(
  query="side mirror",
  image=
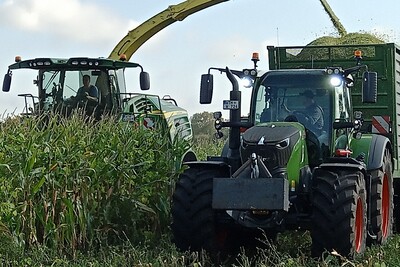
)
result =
(369, 87)
(206, 88)
(7, 82)
(144, 80)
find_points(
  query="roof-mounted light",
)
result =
(122, 57)
(246, 82)
(333, 70)
(358, 54)
(75, 62)
(335, 81)
(255, 57)
(18, 58)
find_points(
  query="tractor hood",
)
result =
(271, 133)
(275, 142)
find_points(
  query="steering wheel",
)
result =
(298, 116)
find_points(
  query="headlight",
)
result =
(247, 82)
(336, 81)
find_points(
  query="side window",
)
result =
(49, 79)
(347, 103)
(341, 105)
(260, 103)
(121, 80)
(115, 97)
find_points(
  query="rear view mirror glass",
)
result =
(369, 87)
(144, 80)
(206, 88)
(7, 82)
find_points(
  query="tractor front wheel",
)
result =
(194, 225)
(339, 219)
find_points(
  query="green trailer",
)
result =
(382, 117)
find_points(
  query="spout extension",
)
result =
(232, 79)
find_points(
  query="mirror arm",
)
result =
(238, 73)
(354, 69)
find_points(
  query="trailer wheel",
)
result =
(382, 201)
(194, 225)
(339, 217)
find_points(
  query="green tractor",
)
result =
(280, 172)
(61, 89)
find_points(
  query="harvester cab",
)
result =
(61, 84)
(300, 161)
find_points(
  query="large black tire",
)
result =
(339, 219)
(194, 224)
(382, 203)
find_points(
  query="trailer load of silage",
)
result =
(313, 51)
(356, 40)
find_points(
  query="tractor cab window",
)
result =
(305, 98)
(342, 105)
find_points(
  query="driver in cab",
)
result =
(87, 91)
(313, 114)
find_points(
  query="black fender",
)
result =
(189, 156)
(378, 145)
(209, 165)
(344, 163)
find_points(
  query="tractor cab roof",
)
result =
(292, 72)
(295, 77)
(78, 63)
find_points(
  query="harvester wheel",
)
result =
(339, 219)
(382, 201)
(194, 224)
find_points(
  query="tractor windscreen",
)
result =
(306, 97)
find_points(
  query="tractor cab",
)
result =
(313, 98)
(95, 84)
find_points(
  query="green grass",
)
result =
(292, 249)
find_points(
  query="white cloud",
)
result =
(71, 19)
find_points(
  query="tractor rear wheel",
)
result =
(194, 225)
(382, 204)
(339, 219)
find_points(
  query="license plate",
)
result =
(230, 104)
(128, 117)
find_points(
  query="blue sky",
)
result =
(223, 35)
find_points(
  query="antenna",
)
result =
(277, 36)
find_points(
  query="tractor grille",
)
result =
(273, 144)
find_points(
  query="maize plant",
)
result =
(72, 183)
